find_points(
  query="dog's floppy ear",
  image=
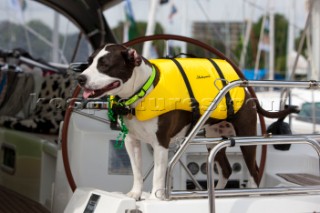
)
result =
(131, 57)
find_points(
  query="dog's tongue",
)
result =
(87, 93)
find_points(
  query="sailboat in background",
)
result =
(299, 68)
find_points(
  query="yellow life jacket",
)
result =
(171, 92)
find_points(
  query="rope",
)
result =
(113, 118)
(122, 135)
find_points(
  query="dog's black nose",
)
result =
(82, 79)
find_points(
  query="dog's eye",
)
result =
(103, 64)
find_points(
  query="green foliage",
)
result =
(304, 47)
(281, 39)
(250, 56)
(281, 34)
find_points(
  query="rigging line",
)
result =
(257, 61)
(215, 30)
(247, 33)
(19, 16)
(65, 40)
(255, 5)
(45, 40)
(285, 91)
(301, 42)
(27, 30)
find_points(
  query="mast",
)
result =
(271, 46)
(257, 62)
(150, 27)
(184, 25)
(246, 39)
(290, 41)
(315, 34)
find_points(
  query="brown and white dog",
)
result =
(117, 70)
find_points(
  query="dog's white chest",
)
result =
(142, 130)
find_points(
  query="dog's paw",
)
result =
(134, 194)
(251, 183)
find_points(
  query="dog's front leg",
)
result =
(160, 166)
(133, 147)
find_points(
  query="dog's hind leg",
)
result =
(133, 147)
(249, 155)
(245, 124)
(220, 129)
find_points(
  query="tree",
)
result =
(281, 34)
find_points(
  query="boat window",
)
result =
(41, 31)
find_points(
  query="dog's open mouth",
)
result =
(88, 93)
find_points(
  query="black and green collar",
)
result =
(142, 92)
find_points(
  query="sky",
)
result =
(209, 10)
(188, 11)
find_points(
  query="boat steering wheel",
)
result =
(140, 40)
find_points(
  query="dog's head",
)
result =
(109, 68)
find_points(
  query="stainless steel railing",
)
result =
(259, 141)
(190, 139)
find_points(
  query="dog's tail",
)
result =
(280, 114)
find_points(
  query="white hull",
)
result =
(118, 203)
(100, 169)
